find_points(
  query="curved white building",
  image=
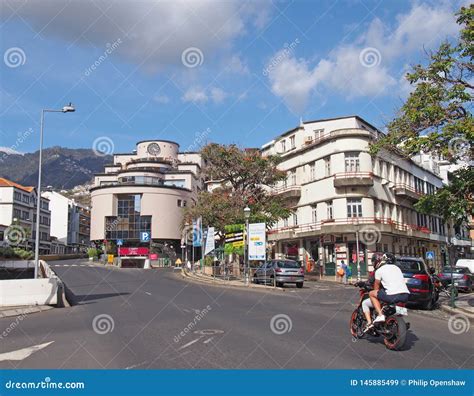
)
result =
(144, 192)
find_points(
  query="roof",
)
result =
(8, 183)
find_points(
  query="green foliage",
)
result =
(246, 178)
(93, 252)
(16, 253)
(437, 119)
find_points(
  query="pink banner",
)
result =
(133, 251)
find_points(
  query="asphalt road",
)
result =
(135, 318)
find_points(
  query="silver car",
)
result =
(280, 272)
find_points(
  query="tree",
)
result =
(437, 119)
(245, 179)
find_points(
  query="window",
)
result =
(25, 198)
(17, 196)
(312, 171)
(17, 213)
(285, 222)
(318, 134)
(129, 223)
(314, 213)
(283, 145)
(354, 207)
(292, 178)
(329, 210)
(292, 142)
(419, 185)
(180, 203)
(295, 219)
(25, 215)
(327, 166)
(352, 162)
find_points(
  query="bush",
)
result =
(93, 252)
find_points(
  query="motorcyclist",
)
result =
(389, 287)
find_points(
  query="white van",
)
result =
(468, 263)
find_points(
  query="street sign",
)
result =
(430, 255)
(144, 236)
(256, 241)
(119, 242)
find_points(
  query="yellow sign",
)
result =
(110, 258)
(178, 261)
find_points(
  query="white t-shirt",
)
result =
(392, 279)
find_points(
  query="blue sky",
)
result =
(229, 71)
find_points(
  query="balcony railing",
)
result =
(288, 191)
(406, 190)
(344, 179)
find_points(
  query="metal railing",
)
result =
(344, 175)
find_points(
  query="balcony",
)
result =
(349, 179)
(406, 191)
(291, 192)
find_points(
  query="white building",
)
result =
(70, 222)
(337, 190)
(18, 217)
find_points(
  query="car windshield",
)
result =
(287, 264)
(410, 265)
(454, 270)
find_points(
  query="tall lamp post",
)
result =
(246, 244)
(66, 109)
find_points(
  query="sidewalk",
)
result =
(464, 306)
(6, 312)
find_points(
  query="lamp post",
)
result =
(66, 109)
(246, 245)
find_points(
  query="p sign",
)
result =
(144, 237)
(430, 255)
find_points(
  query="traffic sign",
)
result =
(430, 255)
(119, 242)
(144, 236)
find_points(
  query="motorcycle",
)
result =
(393, 330)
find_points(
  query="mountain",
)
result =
(63, 168)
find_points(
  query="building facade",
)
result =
(345, 201)
(144, 193)
(70, 223)
(18, 216)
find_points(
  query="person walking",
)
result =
(344, 268)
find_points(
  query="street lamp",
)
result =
(66, 109)
(246, 249)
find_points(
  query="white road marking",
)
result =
(190, 343)
(21, 354)
(148, 293)
(73, 265)
(208, 340)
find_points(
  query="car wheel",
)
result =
(299, 285)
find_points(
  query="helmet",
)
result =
(388, 258)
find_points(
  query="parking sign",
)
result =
(144, 237)
(430, 255)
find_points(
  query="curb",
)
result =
(198, 278)
(457, 311)
(24, 310)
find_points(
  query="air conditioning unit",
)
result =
(308, 140)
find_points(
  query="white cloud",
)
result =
(199, 95)
(236, 65)
(362, 68)
(154, 33)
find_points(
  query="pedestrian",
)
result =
(344, 275)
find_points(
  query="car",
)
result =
(468, 263)
(463, 278)
(418, 279)
(279, 272)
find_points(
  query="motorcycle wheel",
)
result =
(355, 324)
(397, 329)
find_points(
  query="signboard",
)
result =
(257, 241)
(234, 238)
(153, 256)
(119, 242)
(110, 258)
(144, 236)
(197, 232)
(210, 241)
(133, 251)
(430, 255)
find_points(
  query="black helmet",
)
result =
(388, 258)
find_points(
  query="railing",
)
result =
(281, 190)
(409, 188)
(344, 175)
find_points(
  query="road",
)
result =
(135, 318)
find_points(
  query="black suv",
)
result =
(419, 282)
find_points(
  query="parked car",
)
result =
(468, 263)
(463, 278)
(280, 272)
(418, 278)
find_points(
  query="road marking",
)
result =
(21, 354)
(190, 343)
(208, 340)
(148, 293)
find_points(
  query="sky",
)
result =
(203, 71)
